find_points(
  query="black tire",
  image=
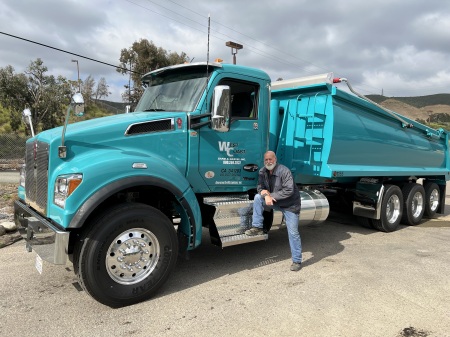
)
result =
(365, 222)
(391, 209)
(414, 204)
(432, 199)
(127, 255)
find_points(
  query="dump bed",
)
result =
(325, 134)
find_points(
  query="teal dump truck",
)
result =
(123, 196)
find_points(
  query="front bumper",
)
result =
(49, 242)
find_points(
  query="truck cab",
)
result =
(217, 160)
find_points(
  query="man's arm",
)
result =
(287, 186)
(262, 183)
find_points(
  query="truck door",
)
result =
(229, 161)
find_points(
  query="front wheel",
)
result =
(127, 255)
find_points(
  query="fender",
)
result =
(99, 183)
(187, 200)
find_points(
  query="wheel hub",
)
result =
(393, 209)
(417, 204)
(132, 256)
(434, 200)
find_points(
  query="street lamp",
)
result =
(234, 48)
(78, 69)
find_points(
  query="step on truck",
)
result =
(121, 197)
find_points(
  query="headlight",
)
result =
(22, 176)
(64, 187)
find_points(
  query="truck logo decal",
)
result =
(227, 147)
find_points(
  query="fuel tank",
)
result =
(235, 211)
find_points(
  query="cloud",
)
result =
(396, 46)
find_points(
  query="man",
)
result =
(277, 190)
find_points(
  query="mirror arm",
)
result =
(77, 99)
(62, 150)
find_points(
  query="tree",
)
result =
(102, 89)
(14, 95)
(48, 96)
(94, 91)
(87, 89)
(59, 93)
(143, 56)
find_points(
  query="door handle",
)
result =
(251, 167)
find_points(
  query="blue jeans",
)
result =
(291, 223)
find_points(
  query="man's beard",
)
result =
(270, 167)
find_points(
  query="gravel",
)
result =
(8, 193)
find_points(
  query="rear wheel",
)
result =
(432, 199)
(127, 255)
(391, 209)
(414, 204)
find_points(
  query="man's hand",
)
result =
(269, 200)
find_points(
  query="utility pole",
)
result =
(78, 69)
(129, 86)
(234, 48)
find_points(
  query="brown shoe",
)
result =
(241, 230)
(254, 231)
(296, 266)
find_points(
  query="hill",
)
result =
(112, 107)
(419, 107)
(417, 101)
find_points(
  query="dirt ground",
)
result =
(8, 193)
(355, 282)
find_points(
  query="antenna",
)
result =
(207, 53)
(207, 61)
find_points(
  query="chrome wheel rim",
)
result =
(132, 256)
(434, 200)
(417, 204)
(393, 209)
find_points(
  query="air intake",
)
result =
(149, 127)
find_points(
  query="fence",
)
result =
(12, 151)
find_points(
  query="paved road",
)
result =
(355, 282)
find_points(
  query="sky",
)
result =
(390, 47)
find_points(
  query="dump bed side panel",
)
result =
(328, 134)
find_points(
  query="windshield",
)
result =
(176, 90)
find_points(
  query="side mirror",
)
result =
(26, 114)
(77, 103)
(26, 118)
(221, 109)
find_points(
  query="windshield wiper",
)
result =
(155, 109)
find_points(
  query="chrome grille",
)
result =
(36, 161)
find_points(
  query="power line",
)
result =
(261, 52)
(68, 52)
(236, 31)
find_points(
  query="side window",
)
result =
(244, 99)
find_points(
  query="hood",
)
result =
(94, 130)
